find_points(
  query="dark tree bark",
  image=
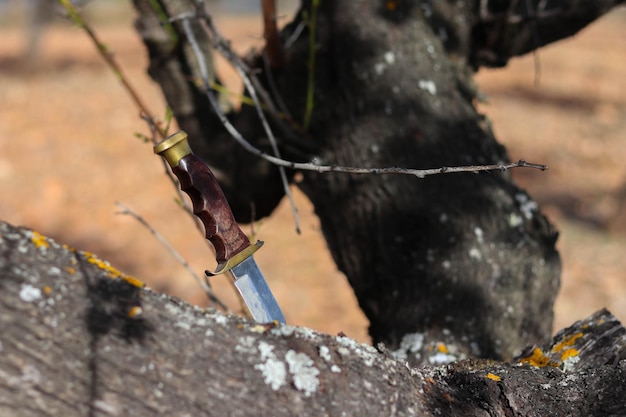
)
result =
(465, 259)
(73, 344)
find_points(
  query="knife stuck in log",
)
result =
(233, 248)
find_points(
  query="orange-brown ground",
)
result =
(68, 154)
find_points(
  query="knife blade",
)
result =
(232, 247)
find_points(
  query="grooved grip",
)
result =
(209, 203)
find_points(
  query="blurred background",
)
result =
(69, 153)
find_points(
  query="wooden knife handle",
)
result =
(209, 203)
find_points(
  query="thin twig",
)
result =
(109, 59)
(203, 284)
(310, 91)
(304, 166)
(268, 130)
(532, 25)
(273, 48)
(157, 134)
(248, 84)
(282, 107)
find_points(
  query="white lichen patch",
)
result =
(526, 205)
(306, 333)
(29, 293)
(390, 57)
(273, 370)
(185, 319)
(202, 322)
(183, 325)
(274, 373)
(478, 232)
(515, 220)
(343, 351)
(303, 371)
(441, 358)
(474, 253)
(173, 309)
(569, 364)
(284, 330)
(208, 318)
(368, 354)
(411, 343)
(266, 350)
(221, 320)
(325, 354)
(299, 332)
(246, 345)
(428, 85)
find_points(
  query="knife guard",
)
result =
(231, 244)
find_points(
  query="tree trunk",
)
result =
(74, 344)
(466, 259)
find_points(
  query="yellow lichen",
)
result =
(70, 270)
(442, 348)
(569, 353)
(538, 359)
(47, 290)
(493, 377)
(135, 311)
(391, 5)
(39, 240)
(132, 281)
(113, 273)
(567, 342)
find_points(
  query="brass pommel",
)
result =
(173, 148)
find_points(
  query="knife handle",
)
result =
(208, 200)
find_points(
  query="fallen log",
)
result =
(80, 338)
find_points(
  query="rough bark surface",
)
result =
(73, 344)
(467, 259)
(510, 28)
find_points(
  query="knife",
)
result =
(232, 246)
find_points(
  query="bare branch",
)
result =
(420, 173)
(273, 48)
(109, 59)
(246, 80)
(206, 287)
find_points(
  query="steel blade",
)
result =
(256, 293)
